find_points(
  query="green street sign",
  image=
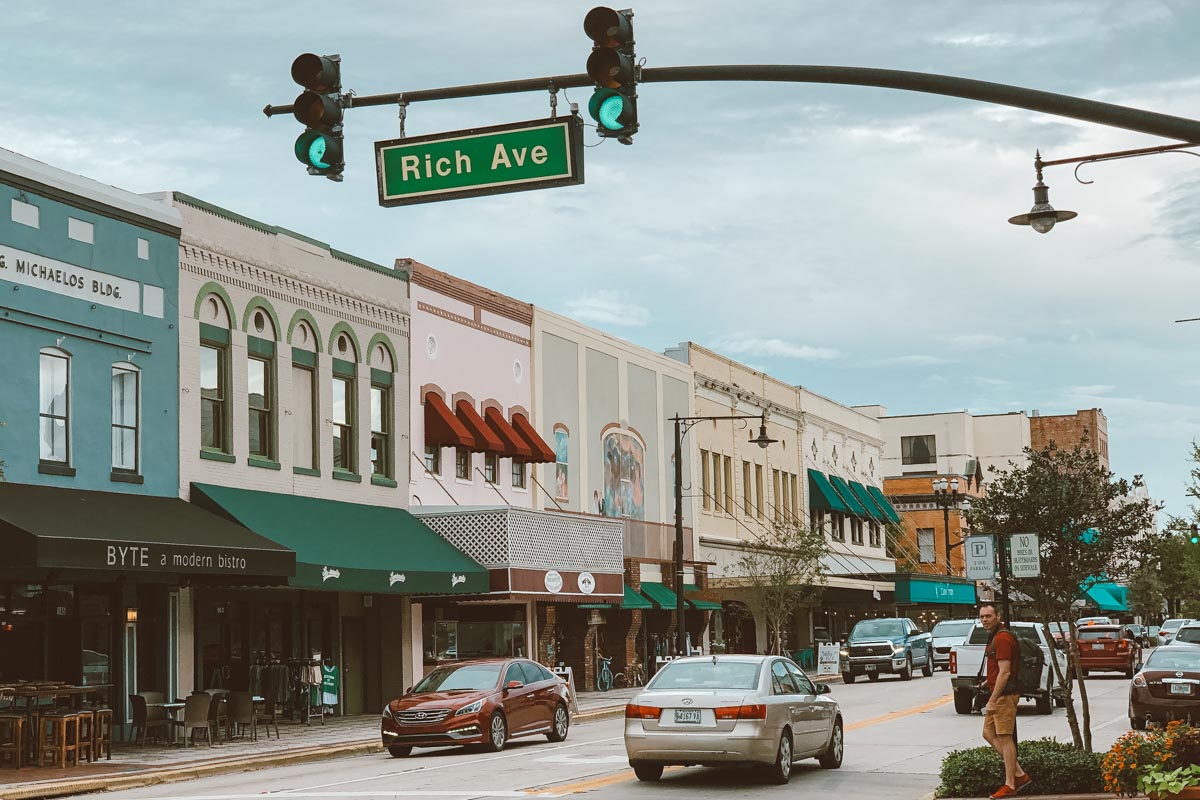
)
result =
(515, 157)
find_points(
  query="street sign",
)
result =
(1026, 555)
(503, 158)
(981, 561)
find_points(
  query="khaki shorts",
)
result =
(1002, 721)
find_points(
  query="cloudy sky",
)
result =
(849, 239)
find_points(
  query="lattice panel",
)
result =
(482, 535)
(565, 541)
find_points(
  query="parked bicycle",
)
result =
(604, 676)
(634, 678)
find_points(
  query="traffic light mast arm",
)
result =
(1149, 122)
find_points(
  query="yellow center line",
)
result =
(627, 775)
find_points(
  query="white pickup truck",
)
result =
(966, 658)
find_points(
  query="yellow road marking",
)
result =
(627, 775)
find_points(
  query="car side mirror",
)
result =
(513, 685)
(409, 689)
(822, 688)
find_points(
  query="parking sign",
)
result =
(981, 560)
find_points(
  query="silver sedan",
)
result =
(712, 710)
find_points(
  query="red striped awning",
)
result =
(442, 428)
(542, 453)
(485, 440)
(514, 445)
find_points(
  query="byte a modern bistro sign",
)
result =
(515, 157)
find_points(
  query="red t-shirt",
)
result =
(1004, 648)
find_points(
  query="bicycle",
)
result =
(604, 676)
(634, 678)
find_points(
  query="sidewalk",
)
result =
(153, 763)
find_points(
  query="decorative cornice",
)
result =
(470, 323)
(464, 291)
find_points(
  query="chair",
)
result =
(12, 738)
(218, 711)
(102, 733)
(241, 713)
(145, 719)
(268, 715)
(87, 735)
(196, 716)
(58, 737)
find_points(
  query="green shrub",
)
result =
(1057, 768)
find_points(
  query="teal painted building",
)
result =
(89, 345)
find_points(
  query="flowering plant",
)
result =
(1158, 761)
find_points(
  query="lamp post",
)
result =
(946, 495)
(682, 426)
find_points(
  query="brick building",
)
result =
(1089, 426)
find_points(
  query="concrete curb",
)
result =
(205, 769)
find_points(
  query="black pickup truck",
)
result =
(886, 646)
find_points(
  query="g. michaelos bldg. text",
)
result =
(67, 279)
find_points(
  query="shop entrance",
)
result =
(354, 640)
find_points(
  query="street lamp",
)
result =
(1042, 217)
(682, 426)
(946, 494)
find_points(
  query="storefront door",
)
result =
(354, 662)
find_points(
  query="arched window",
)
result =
(126, 418)
(562, 440)
(54, 406)
(215, 424)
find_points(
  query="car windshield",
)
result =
(1172, 625)
(1189, 634)
(948, 629)
(883, 628)
(1176, 658)
(707, 674)
(1092, 634)
(468, 677)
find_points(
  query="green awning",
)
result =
(883, 503)
(660, 596)
(868, 502)
(631, 602)
(822, 496)
(843, 488)
(350, 547)
(1101, 595)
(699, 605)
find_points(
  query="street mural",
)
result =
(624, 474)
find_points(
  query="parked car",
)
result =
(889, 645)
(1188, 634)
(1139, 633)
(484, 702)
(966, 660)
(1108, 648)
(1094, 621)
(947, 634)
(712, 710)
(1167, 631)
(1152, 634)
(1061, 633)
(1167, 686)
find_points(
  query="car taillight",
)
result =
(1123, 645)
(633, 711)
(953, 662)
(754, 711)
(1139, 681)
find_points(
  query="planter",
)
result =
(1189, 793)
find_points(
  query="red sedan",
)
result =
(483, 702)
(1106, 648)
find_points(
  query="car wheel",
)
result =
(872, 676)
(397, 751)
(906, 673)
(1137, 723)
(927, 670)
(781, 771)
(962, 701)
(1083, 673)
(832, 757)
(497, 733)
(560, 725)
(647, 772)
(848, 677)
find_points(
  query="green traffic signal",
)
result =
(1195, 539)
(608, 108)
(612, 67)
(318, 151)
(319, 109)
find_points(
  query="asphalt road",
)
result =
(896, 736)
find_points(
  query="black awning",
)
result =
(128, 534)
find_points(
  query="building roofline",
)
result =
(461, 289)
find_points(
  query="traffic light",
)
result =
(1195, 537)
(613, 68)
(319, 108)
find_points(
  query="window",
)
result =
(343, 424)
(518, 474)
(795, 498)
(782, 681)
(758, 491)
(24, 213)
(259, 398)
(54, 406)
(747, 490)
(143, 249)
(705, 480)
(876, 534)
(562, 438)
(918, 449)
(718, 494)
(491, 465)
(304, 418)
(462, 463)
(729, 506)
(778, 492)
(214, 385)
(381, 431)
(80, 231)
(928, 554)
(837, 530)
(433, 459)
(856, 530)
(816, 519)
(124, 419)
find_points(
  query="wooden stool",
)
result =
(102, 733)
(87, 735)
(58, 737)
(12, 738)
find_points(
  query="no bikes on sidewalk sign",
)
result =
(1023, 550)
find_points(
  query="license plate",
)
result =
(1181, 688)
(687, 716)
(1097, 647)
(871, 667)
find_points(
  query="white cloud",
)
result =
(608, 307)
(742, 344)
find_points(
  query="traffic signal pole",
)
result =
(1149, 122)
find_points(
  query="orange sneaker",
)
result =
(1004, 791)
(1022, 782)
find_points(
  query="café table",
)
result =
(172, 709)
(33, 693)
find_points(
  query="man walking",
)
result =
(1000, 713)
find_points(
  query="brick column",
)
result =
(547, 628)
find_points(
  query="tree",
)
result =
(782, 569)
(1091, 530)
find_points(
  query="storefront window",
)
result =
(450, 641)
